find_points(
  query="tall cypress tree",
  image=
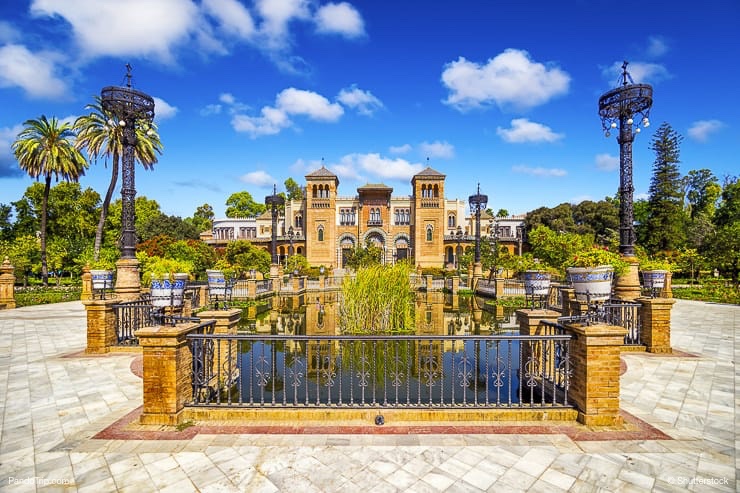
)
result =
(666, 221)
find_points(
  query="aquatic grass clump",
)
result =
(378, 300)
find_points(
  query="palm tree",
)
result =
(45, 148)
(100, 134)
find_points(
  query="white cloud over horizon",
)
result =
(35, 73)
(355, 166)
(363, 101)
(402, 149)
(641, 72)
(700, 130)
(258, 178)
(522, 130)
(606, 162)
(538, 171)
(339, 18)
(437, 149)
(163, 110)
(511, 79)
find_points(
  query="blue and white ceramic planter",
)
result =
(101, 279)
(591, 283)
(168, 293)
(536, 283)
(654, 279)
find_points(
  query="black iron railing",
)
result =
(131, 316)
(381, 371)
(614, 312)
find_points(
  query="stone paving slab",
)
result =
(55, 400)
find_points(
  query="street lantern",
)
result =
(133, 109)
(291, 235)
(625, 108)
(273, 202)
(458, 237)
(478, 202)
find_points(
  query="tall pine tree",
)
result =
(666, 221)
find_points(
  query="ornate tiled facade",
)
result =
(325, 226)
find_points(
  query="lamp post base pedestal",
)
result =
(128, 284)
(627, 286)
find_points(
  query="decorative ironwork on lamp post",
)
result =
(477, 203)
(273, 202)
(624, 108)
(133, 109)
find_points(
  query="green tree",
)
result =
(201, 255)
(6, 225)
(557, 249)
(502, 213)
(24, 253)
(159, 224)
(665, 225)
(724, 250)
(44, 148)
(728, 211)
(600, 219)
(100, 134)
(295, 192)
(702, 192)
(241, 204)
(372, 254)
(243, 256)
(202, 219)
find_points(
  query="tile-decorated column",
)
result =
(655, 315)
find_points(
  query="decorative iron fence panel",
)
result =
(130, 317)
(614, 312)
(381, 371)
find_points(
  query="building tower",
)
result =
(428, 205)
(320, 220)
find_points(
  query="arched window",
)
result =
(313, 194)
(436, 191)
(321, 233)
(430, 228)
(451, 221)
(299, 221)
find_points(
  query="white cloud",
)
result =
(288, 102)
(538, 171)
(276, 15)
(35, 73)
(299, 102)
(701, 130)
(258, 178)
(363, 101)
(8, 163)
(437, 149)
(607, 162)
(211, 109)
(340, 18)
(522, 130)
(657, 46)
(143, 28)
(641, 72)
(163, 110)
(510, 79)
(377, 166)
(402, 149)
(233, 17)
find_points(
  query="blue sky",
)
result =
(249, 93)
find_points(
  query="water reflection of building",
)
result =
(325, 226)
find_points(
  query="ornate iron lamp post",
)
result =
(623, 109)
(478, 202)
(133, 109)
(458, 237)
(273, 202)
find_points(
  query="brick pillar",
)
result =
(499, 283)
(428, 280)
(7, 284)
(168, 372)
(655, 315)
(667, 291)
(101, 325)
(594, 382)
(455, 284)
(251, 288)
(225, 352)
(87, 292)
(322, 282)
